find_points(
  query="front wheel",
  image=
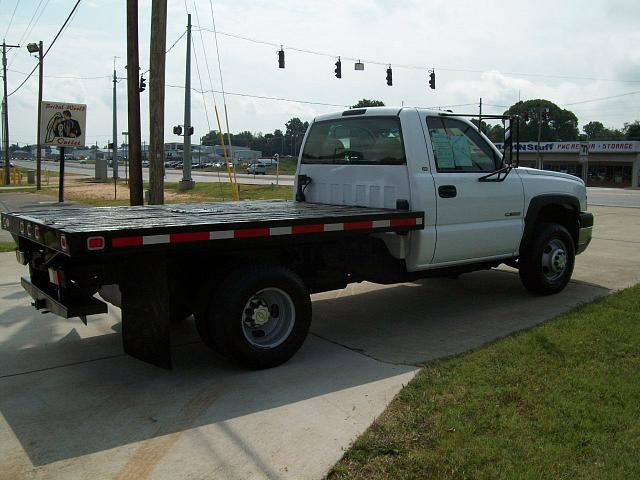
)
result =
(546, 264)
(261, 319)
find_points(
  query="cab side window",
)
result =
(458, 147)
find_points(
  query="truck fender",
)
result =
(568, 203)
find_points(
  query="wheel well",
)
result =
(562, 215)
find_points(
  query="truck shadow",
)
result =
(80, 396)
(439, 317)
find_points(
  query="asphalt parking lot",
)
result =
(73, 405)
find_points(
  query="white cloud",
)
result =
(491, 37)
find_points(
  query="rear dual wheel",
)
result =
(260, 319)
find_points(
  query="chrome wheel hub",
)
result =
(268, 318)
(554, 259)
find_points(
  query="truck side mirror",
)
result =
(507, 157)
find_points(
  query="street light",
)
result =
(37, 48)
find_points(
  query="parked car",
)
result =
(268, 162)
(256, 169)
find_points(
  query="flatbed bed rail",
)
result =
(84, 231)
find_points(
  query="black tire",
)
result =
(223, 325)
(546, 264)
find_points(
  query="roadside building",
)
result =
(240, 154)
(611, 163)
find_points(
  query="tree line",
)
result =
(539, 116)
(554, 124)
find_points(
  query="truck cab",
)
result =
(441, 164)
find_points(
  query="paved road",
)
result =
(597, 196)
(613, 197)
(172, 175)
(73, 405)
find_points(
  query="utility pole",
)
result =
(187, 182)
(39, 141)
(539, 161)
(125, 156)
(480, 117)
(5, 104)
(115, 125)
(37, 48)
(157, 59)
(134, 157)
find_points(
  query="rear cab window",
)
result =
(355, 141)
(458, 147)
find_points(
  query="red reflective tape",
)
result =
(95, 243)
(126, 241)
(307, 228)
(362, 225)
(403, 222)
(251, 232)
(188, 237)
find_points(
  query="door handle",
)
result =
(447, 191)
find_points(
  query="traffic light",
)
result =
(545, 115)
(338, 69)
(110, 146)
(142, 85)
(177, 130)
(281, 58)
(432, 79)
(389, 76)
(190, 131)
(525, 116)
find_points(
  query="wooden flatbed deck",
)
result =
(87, 230)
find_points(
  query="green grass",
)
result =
(203, 192)
(17, 188)
(7, 246)
(216, 192)
(561, 400)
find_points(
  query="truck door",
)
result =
(475, 220)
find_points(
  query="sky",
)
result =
(568, 52)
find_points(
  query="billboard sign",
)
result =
(63, 124)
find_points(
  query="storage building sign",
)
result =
(63, 124)
(603, 146)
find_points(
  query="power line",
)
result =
(50, 46)
(204, 102)
(262, 97)
(408, 66)
(12, 15)
(72, 77)
(204, 53)
(38, 18)
(603, 98)
(168, 50)
(22, 37)
(435, 107)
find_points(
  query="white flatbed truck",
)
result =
(382, 194)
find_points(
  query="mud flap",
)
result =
(145, 310)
